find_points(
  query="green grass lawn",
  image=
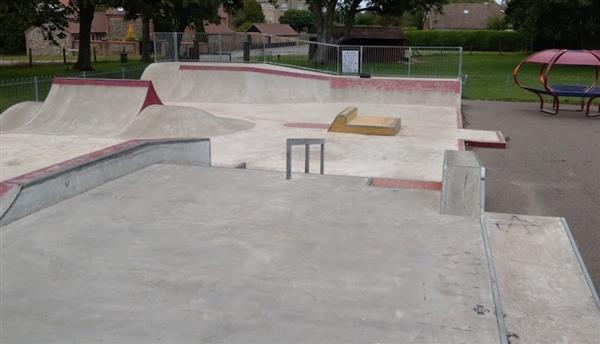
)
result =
(59, 69)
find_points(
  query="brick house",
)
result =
(109, 30)
(463, 16)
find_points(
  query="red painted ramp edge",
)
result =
(345, 82)
(152, 97)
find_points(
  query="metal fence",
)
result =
(13, 91)
(444, 62)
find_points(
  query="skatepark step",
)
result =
(348, 121)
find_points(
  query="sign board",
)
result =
(350, 61)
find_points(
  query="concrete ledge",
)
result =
(462, 185)
(26, 194)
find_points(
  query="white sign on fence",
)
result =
(350, 61)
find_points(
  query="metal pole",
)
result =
(460, 61)
(409, 59)
(306, 158)
(36, 89)
(122, 72)
(220, 46)
(175, 47)
(155, 51)
(288, 162)
(360, 60)
(322, 158)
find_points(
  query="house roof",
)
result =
(464, 16)
(213, 28)
(273, 29)
(371, 32)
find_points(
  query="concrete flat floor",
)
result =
(245, 256)
(551, 167)
(23, 153)
(416, 153)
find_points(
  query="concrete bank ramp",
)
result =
(547, 294)
(19, 115)
(266, 84)
(92, 107)
(178, 121)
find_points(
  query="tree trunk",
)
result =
(86, 15)
(349, 21)
(146, 39)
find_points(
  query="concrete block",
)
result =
(463, 185)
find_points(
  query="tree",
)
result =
(300, 20)
(251, 12)
(557, 23)
(17, 16)
(496, 23)
(324, 12)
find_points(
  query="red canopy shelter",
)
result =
(551, 57)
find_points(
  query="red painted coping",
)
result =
(152, 97)
(7, 185)
(395, 183)
(255, 70)
(305, 125)
(343, 82)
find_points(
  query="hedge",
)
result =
(477, 40)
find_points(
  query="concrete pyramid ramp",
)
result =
(91, 107)
(178, 121)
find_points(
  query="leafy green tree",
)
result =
(250, 12)
(17, 16)
(365, 19)
(300, 20)
(557, 23)
(324, 12)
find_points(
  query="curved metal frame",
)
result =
(543, 78)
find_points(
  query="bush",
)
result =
(470, 40)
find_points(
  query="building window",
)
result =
(283, 7)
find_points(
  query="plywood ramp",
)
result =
(348, 121)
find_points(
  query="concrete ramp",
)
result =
(91, 107)
(268, 84)
(158, 121)
(19, 115)
(349, 122)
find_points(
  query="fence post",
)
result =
(175, 47)
(460, 61)
(30, 58)
(220, 46)
(83, 74)
(155, 51)
(122, 72)
(64, 55)
(409, 59)
(95, 57)
(360, 61)
(36, 89)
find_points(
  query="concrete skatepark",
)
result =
(118, 225)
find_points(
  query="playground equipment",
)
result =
(549, 58)
(348, 121)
